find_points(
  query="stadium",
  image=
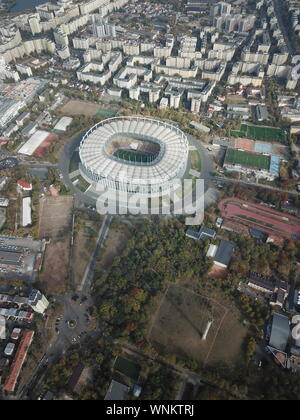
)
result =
(133, 155)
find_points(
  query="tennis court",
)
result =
(127, 368)
(247, 159)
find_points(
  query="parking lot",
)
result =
(31, 250)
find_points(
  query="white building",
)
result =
(9, 109)
(26, 212)
(9, 349)
(33, 143)
(164, 103)
(38, 301)
(101, 27)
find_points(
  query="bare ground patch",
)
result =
(55, 272)
(115, 243)
(218, 272)
(77, 107)
(235, 99)
(180, 321)
(55, 224)
(84, 245)
(55, 216)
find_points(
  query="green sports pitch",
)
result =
(259, 132)
(248, 159)
(133, 156)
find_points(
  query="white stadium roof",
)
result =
(34, 142)
(173, 156)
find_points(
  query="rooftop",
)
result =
(224, 252)
(116, 391)
(280, 332)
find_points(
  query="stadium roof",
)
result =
(174, 144)
(280, 332)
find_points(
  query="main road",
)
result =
(75, 308)
(63, 169)
(277, 6)
(88, 274)
(252, 184)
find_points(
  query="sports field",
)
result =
(89, 109)
(134, 156)
(258, 132)
(251, 160)
(128, 368)
(106, 113)
(180, 321)
(260, 217)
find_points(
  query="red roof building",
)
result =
(18, 361)
(24, 185)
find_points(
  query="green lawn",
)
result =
(133, 156)
(106, 113)
(251, 160)
(74, 162)
(82, 184)
(258, 132)
(195, 160)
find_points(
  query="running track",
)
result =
(262, 217)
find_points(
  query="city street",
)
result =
(73, 324)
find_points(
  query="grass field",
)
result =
(248, 159)
(133, 156)
(106, 113)
(74, 162)
(181, 319)
(195, 160)
(260, 133)
(78, 107)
